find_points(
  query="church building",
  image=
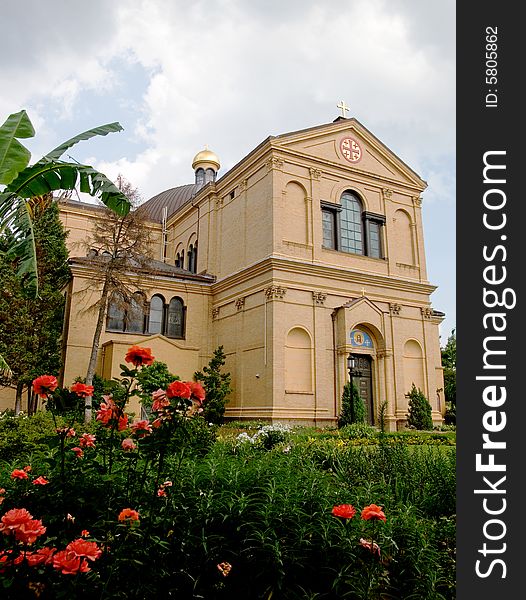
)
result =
(305, 261)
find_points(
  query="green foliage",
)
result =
(31, 328)
(353, 408)
(449, 363)
(419, 415)
(217, 387)
(355, 431)
(268, 514)
(21, 436)
(450, 418)
(382, 415)
(23, 181)
(152, 378)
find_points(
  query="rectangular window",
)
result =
(374, 239)
(329, 229)
(373, 232)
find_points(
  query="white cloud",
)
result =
(228, 73)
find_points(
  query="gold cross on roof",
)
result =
(343, 107)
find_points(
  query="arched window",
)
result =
(135, 313)
(194, 260)
(175, 319)
(351, 225)
(178, 260)
(210, 175)
(116, 313)
(92, 253)
(190, 258)
(200, 176)
(156, 317)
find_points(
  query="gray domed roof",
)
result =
(173, 199)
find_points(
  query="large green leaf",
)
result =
(13, 155)
(44, 177)
(47, 175)
(86, 135)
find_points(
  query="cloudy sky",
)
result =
(180, 74)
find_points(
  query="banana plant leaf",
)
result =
(13, 155)
(49, 174)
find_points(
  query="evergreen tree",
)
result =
(449, 363)
(353, 408)
(217, 387)
(419, 415)
(31, 327)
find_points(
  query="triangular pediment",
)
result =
(351, 146)
(362, 302)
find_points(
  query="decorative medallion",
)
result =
(360, 339)
(351, 150)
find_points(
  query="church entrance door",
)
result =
(362, 379)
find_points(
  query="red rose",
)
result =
(40, 481)
(42, 556)
(13, 519)
(19, 474)
(141, 428)
(139, 356)
(178, 389)
(198, 391)
(79, 453)
(44, 385)
(87, 440)
(373, 512)
(128, 445)
(82, 547)
(70, 564)
(344, 511)
(82, 390)
(128, 514)
(29, 531)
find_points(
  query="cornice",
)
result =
(289, 265)
(157, 279)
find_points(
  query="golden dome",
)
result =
(206, 156)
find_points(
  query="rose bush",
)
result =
(151, 508)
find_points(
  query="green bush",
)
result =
(358, 431)
(450, 418)
(353, 408)
(266, 511)
(419, 415)
(217, 387)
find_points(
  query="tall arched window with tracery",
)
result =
(135, 313)
(190, 258)
(351, 224)
(175, 318)
(115, 319)
(156, 316)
